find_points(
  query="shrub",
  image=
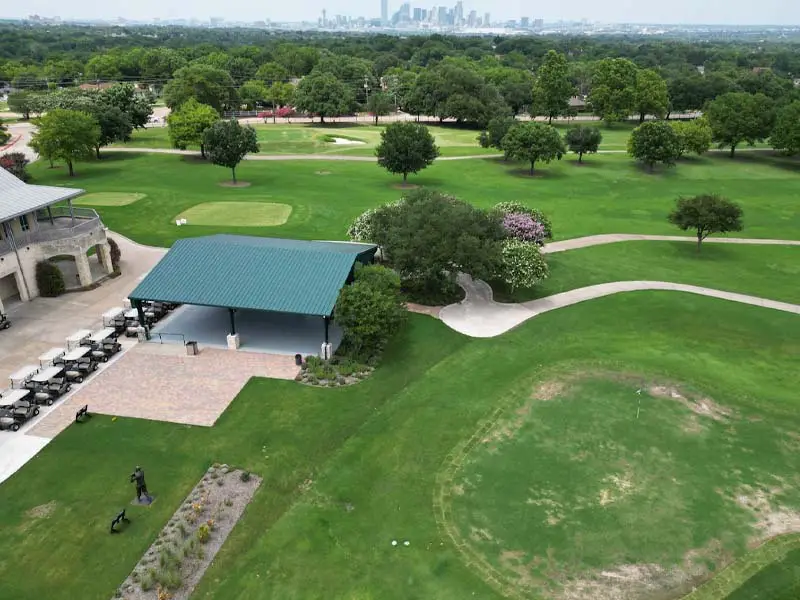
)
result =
(506, 208)
(49, 280)
(116, 253)
(203, 533)
(523, 264)
(523, 227)
(148, 580)
(362, 229)
(245, 476)
(370, 310)
(15, 163)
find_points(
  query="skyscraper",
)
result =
(487, 20)
(384, 11)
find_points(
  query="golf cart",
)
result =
(18, 407)
(48, 385)
(79, 363)
(103, 343)
(76, 339)
(4, 322)
(51, 357)
(20, 377)
(115, 318)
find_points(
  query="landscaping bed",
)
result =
(174, 564)
(337, 371)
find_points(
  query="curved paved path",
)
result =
(478, 315)
(612, 238)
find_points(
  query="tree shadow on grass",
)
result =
(764, 157)
(538, 173)
(334, 125)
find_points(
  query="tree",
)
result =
(533, 142)
(583, 140)
(228, 143)
(4, 135)
(138, 107)
(693, 136)
(654, 142)
(514, 85)
(114, 125)
(20, 102)
(252, 93)
(613, 95)
(379, 105)
(370, 310)
(405, 148)
(206, 84)
(272, 72)
(552, 88)
(706, 214)
(430, 237)
(67, 135)
(650, 94)
(279, 94)
(495, 132)
(738, 117)
(786, 133)
(188, 125)
(15, 163)
(324, 95)
(523, 264)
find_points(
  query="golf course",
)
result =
(639, 446)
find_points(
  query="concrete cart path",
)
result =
(478, 315)
(612, 238)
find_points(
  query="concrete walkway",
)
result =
(478, 315)
(612, 238)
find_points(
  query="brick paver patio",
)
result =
(159, 382)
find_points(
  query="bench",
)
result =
(83, 412)
(120, 518)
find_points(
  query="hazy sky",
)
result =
(744, 12)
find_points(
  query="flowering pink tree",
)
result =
(523, 227)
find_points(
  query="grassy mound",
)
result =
(107, 199)
(237, 214)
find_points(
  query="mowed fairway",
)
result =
(610, 194)
(347, 471)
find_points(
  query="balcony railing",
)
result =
(86, 221)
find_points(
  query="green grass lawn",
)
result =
(610, 194)
(778, 581)
(237, 214)
(107, 199)
(380, 445)
(767, 271)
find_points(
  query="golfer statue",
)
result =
(141, 486)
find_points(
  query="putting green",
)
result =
(108, 199)
(237, 214)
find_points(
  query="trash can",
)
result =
(191, 348)
(298, 360)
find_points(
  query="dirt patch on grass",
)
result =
(322, 172)
(772, 519)
(548, 390)
(238, 184)
(42, 511)
(702, 406)
(617, 488)
(405, 186)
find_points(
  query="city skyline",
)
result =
(678, 12)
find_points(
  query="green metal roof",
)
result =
(234, 271)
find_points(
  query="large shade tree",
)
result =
(205, 83)
(739, 117)
(533, 142)
(583, 139)
(650, 94)
(430, 237)
(654, 142)
(324, 95)
(553, 87)
(188, 124)
(405, 148)
(67, 135)
(613, 94)
(228, 142)
(786, 133)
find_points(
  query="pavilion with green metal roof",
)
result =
(246, 273)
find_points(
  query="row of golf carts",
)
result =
(34, 386)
